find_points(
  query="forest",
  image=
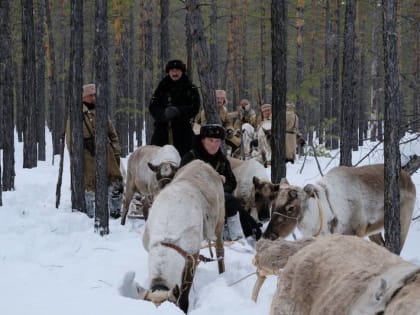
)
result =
(349, 66)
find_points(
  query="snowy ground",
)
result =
(52, 262)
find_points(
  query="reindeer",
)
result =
(187, 211)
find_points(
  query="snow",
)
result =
(52, 262)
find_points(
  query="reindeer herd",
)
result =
(184, 208)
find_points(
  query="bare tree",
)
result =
(140, 104)
(279, 83)
(201, 51)
(213, 41)
(102, 105)
(73, 99)
(392, 157)
(40, 78)
(164, 35)
(7, 179)
(55, 107)
(28, 88)
(148, 64)
(348, 79)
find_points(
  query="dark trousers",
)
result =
(249, 225)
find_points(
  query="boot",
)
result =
(114, 201)
(90, 203)
(234, 227)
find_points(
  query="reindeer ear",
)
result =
(153, 167)
(256, 181)
(310, 190)
(293, 194)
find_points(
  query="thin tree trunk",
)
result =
(213, 42)
(374, 75)
(348, 97)
(263, 53)
(102, 105)
(140, 104)
(279, 83)
(148, 64)
(165, 46)
(28, 88)
(7, 146)
(202, 57)
(74, 96)
(55, 107)
(300, 61)
(40, 79)
(392, 123)
(335, 130)
(328, 75)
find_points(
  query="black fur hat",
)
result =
(175, 64)
(212, 131)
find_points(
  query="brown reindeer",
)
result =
(347, 200)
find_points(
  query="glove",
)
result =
(171, 112)
(89, 144)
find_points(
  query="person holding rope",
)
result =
(115, 184)
(173, 106)
(206, 147)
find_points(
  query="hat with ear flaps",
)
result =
(89, 89)
(175, 64)
(265, 106)
(212, 131)
(222, 93)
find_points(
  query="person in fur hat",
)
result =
(206, 147)
(174, 104)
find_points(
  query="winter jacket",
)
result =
(114, 149)
(218, 161)
(185, 97)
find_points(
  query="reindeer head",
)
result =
(287, 211)
(165, 172)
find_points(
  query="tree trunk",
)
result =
(392, 122)
(55, 107)
(300, 61)
(201, 52)
(279, 83)
(348, 103)
(131, 81)
(148, 64)
(74, 96)
(102, 105)
(7, 144)
(262, 54)
(141, 103)
(213, 42)
(40, 79)
(327, 114)
(335, 129)
(28, 88)
(374, 75)
(165, 47)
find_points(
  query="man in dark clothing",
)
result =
(174, 104)
(206, 147)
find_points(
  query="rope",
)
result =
(243, 278)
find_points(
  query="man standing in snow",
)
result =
(174, 104)
(115, 188)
